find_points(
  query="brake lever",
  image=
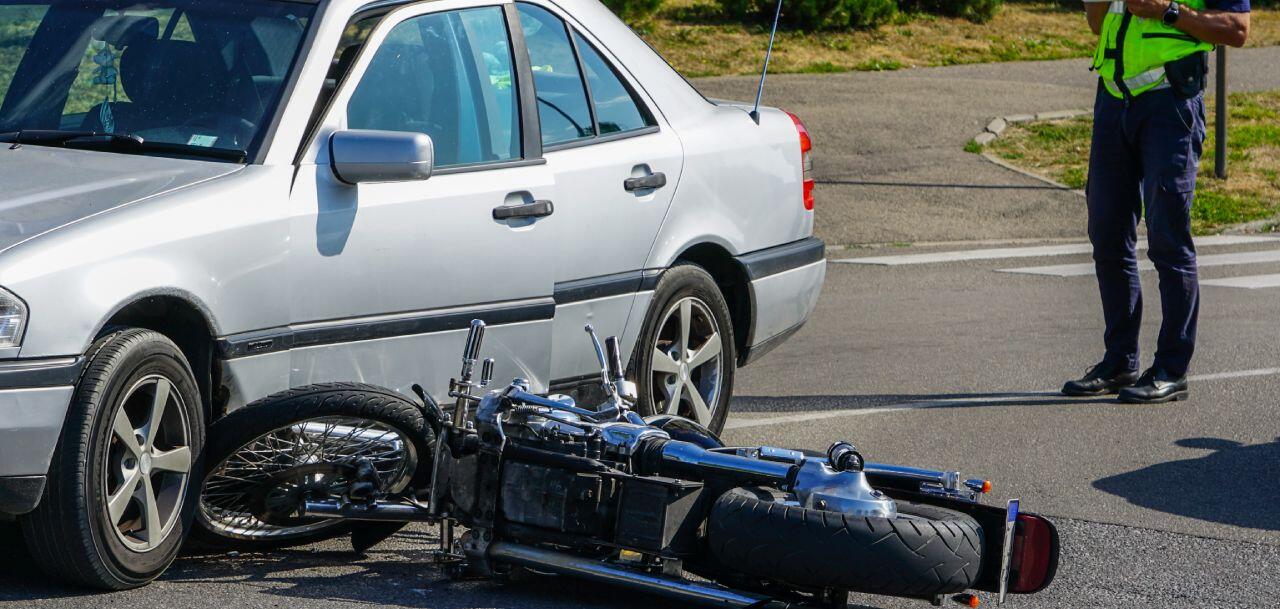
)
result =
(601, 358)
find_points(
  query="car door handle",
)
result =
(649, 182)
(536, 209)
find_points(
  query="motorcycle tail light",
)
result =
(1035, 554)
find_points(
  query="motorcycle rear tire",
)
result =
(925, 550)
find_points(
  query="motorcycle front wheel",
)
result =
(925, 550)
(306, 443)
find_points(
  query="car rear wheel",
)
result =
(685, 357)
(121, 495)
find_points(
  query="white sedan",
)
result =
(208, 201)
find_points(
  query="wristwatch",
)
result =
(1172, 13)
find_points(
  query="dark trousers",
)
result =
(1144, 158)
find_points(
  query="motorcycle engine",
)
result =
(555, 479)
(560, 432)
(538, 492)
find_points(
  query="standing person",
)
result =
(1149, 127)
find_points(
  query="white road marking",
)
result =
(1028, 252)
(1080, 270)
(943, 402)
(1251, 282)
(1217, 376)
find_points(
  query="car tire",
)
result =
(925, 550)
(664, 370)
(115, 511)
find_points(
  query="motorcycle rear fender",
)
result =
(1036, 548)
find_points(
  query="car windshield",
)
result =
(197, 78)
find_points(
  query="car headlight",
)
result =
(13, 319)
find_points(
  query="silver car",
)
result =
(208, 201)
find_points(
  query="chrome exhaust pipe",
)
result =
(708, 595)
(384, 511)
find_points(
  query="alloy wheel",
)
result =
(148, 464)
(688, 362)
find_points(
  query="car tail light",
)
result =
(806, 159)
(1035, 554)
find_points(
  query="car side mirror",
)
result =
(360, 156)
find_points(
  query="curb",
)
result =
(997, 127)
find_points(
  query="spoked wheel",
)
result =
(148, 464)
(306, 444)
(686, 361)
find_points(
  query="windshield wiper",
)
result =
(119, 142)
(56, 137)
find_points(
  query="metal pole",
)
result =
(1220, 122)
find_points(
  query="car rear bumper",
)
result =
(34, 395)
(785, 284)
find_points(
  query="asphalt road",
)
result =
(939, 365)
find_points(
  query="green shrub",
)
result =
(633, 11)
(978, 11)
(815, 14)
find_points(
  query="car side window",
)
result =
(563, 109)
(449, 75)
(617, 110)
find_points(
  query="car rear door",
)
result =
(386, 276)
(616, 166)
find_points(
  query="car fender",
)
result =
(220, 246)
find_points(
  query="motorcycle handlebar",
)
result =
(614, 353)
(471, 351)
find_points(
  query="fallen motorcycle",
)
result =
(543, 485)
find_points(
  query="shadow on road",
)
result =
(397, 574)
(20, 580)
(818, 403)
(1235, 485)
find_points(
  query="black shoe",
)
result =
(1102, 379)
(1156, 387)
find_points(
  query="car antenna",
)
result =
(768, 54)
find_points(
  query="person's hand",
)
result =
(1150, 9)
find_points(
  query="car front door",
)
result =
(616, 167)
(388, 275)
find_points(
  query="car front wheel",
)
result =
(121, 492)
(685, 357)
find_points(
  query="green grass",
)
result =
(1060, 150)
(700, 40)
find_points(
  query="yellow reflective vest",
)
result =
(1132, 51)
